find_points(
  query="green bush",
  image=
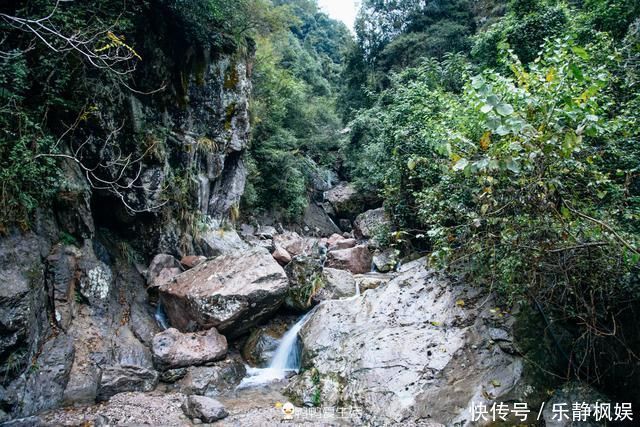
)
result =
(525, 183)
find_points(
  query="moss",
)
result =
(231, 77)
(230, 111)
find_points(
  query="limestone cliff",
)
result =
(147, 170)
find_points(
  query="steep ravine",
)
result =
(81, 343)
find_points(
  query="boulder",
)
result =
(385, 261)
(408, 351)
(337, 284)
(281, 255)
(569, 393)
(343, 244)
(218, 240)
(213, 380)
(231, 293)
(118, 379)
(204, 408)
(295, 244)
(160, 263)
(334, 238)
(356, 260)
(345, 200)
(191, 261)
(368, 223)
(266, 232)
(174, 349)
(305, 280)
(318, 221)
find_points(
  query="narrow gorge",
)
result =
(247, 214)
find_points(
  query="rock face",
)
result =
(204, 408)
(75, 323)
(417, 348)
(43, 387)
(173, 349)
(356, 260)
(231, 293)
(23, 300)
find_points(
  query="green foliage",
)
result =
(27, 181)
(296, 128)
(218, 22)
(524, 30)
(526, 181)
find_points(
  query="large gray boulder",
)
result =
(337, 284)
(204, 408)
(220, 240)
(174, 349)
(318, 221)
(221, 377)
(119, 379)
(418, 348)
(231, 293)
(368, 223)
(344, 201)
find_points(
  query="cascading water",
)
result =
(161, 317)
(286, 359)
(357, 289)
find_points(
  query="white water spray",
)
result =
(161, 317)
(286, 359)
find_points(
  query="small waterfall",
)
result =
(287, 355)
(357, 289)
(161, 317)
(287, 358)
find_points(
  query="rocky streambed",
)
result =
(195, 340)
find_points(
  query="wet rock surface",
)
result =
(261, 344)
